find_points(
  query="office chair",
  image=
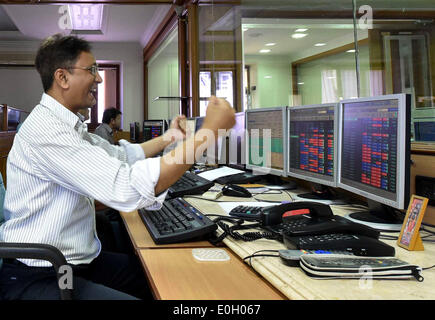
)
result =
(9, 250)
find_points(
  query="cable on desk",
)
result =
(427, 268)
(273, 201)
(255, 254)
(388, 237)
(239, 225)
(423, 237)
(193, 197)
(289, 195)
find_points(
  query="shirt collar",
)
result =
(81, 117)
(107, 127)
(59, 110)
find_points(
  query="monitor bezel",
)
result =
(308, 176)
(158, 122)
(241, 166)
(276, 172)
(196, 122)
(403, 152)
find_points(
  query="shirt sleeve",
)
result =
(76, 164)
(134, 151)
(112, 150)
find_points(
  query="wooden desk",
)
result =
(175, 274)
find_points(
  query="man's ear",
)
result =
(61, 77)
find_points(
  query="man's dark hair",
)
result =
(110, 114)
(56, 52)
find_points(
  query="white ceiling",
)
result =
(258, 32)
(123, 23)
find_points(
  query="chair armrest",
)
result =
(38, 251)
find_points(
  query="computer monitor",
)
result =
(13, 119)
(211, 157)
(424, 130)
(134, 131)
(153, 129)
(198, 123)
(190, 127)
(266, 140)
(374, 156)
(312, 132)
(236, 143)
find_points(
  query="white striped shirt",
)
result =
(55, 170)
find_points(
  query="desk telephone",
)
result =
(310, 226)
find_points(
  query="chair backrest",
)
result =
(2, 199)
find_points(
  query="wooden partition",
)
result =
(8, 129)
(423, 164)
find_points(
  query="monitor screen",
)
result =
(236, 143)
(13, 119)
(424, 130)
(374, 149)
(208, 157)
(134, 131)
(312, 138)
(153, 129)
(190, 127)
(198, 123)
(266, 132)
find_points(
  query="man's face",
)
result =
(117, 122)
(83, 83)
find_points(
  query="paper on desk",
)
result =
(228, 206)
(257, 190)
(217, 173)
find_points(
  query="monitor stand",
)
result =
(380, 217)
(275, 183)
(320, 193)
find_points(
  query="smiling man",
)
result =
(55, 172)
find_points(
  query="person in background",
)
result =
(111, 122)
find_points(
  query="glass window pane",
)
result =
(204, 90)
(101, 101)
(224, 85)
(399, 57)
(295, 62)
(163, 80)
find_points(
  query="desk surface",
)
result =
(295, 284)
(176, 274)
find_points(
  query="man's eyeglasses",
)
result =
(92, 69)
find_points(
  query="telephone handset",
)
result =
(273, 215)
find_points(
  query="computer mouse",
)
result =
(235, 191)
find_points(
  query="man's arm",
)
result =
(219, 115)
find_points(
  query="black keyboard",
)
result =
(243, 177)
(189, 184)
(176, 221)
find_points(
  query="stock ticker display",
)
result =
(271, 120)
(369, 150)
(312, 140)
